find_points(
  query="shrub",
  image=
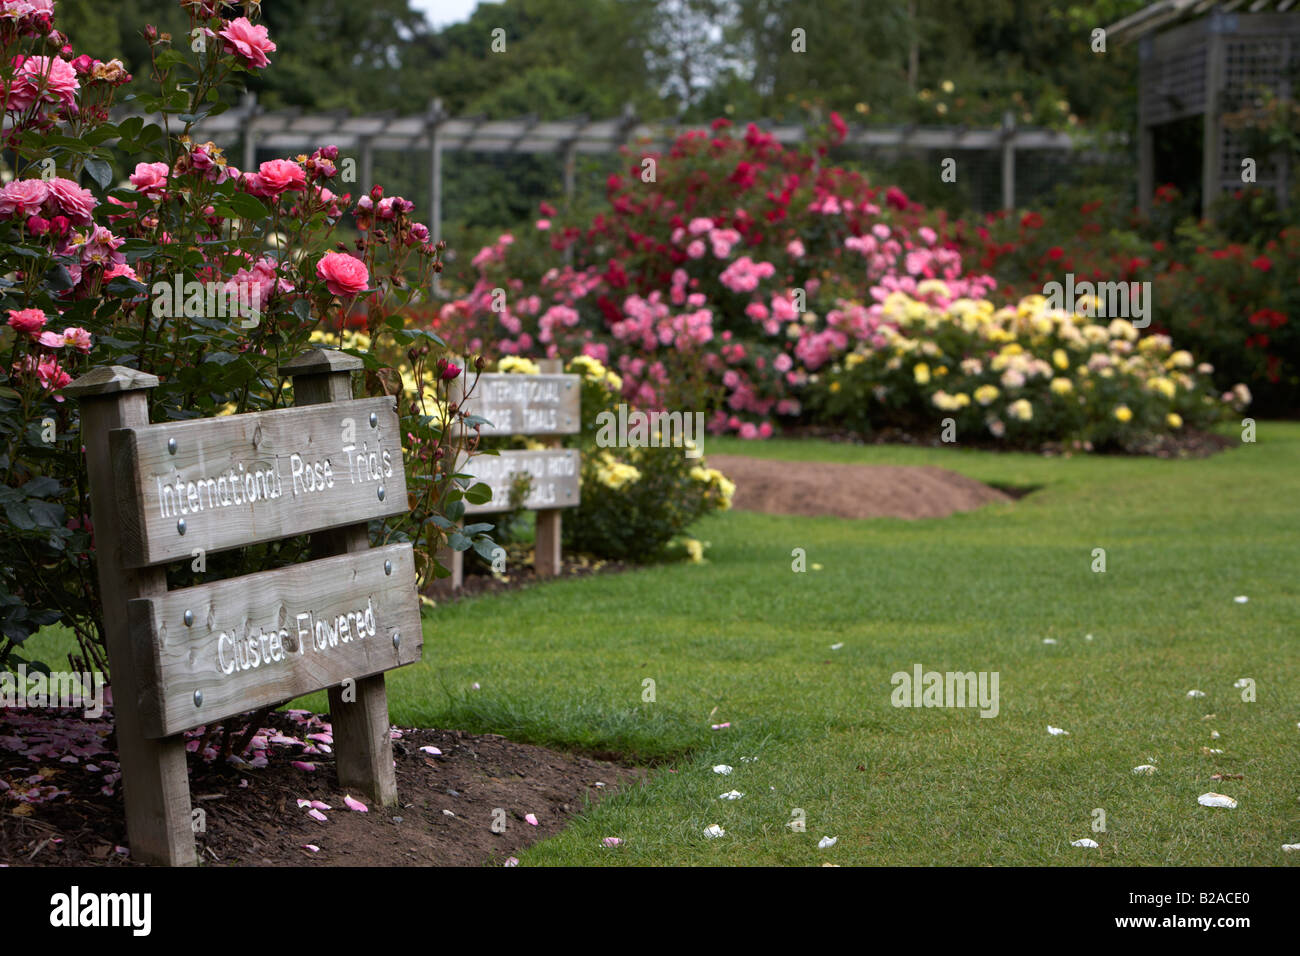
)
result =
(90, 276)
(1024, 374)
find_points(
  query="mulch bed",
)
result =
(851, 491)
(447, 803)
(524, 576)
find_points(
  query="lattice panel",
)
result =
(1173, 84)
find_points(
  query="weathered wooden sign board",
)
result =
(516, 404)
(221, 649)
(553, 472)
(230, 482)
(198, 655)
(520, 404)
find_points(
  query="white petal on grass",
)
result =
(1085, 842)
(1241, 599)
(1057, 731)
(825, 843)
(722, 768)
(1290, 847)
(1216, 800)
(713, 831)
(1087, 637)
(1049, 640)
(1241, 682)
(1145, 769)
(1214, 735)
(1196, 693)
(836, 647)
(731, 795)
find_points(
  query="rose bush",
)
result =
(1025, 374)
(88, 275)
(722, 282)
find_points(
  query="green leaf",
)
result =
(479, 494)
(458, 542)
(100, 172)
(248, 207)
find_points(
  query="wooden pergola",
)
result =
(1207, 58)
(435, 132)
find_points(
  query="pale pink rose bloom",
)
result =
(23, 197)
(150, 179)
(696, 249)
(250, 42)
(72, 201)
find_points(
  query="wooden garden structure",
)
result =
(1208, 58)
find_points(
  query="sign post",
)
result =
(200, 655)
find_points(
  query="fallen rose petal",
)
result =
(317, 815)
(1290, 847)
(1241, 599)
(825, 843)
(1049, 640)
(1145, 768)
(303, 803)
(611, 841)
(356, 805)
(731, 795)
(1085, 842)
(530, 819)
(836, 647)
(1216, 800)
(722, 726)
(712, 831)
(448, 813)
(432, 751)
(1196, 693)
(321, 805)
(303, 765)
(511, 861)
(311, 846)
(1242, 682)
(1057, 731)
(722, 768)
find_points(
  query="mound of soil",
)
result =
(851, 491)
(447, 804)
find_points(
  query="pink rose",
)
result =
(51, 375)
(46, 78)
(78, 338)
(150, 179)
(23, 197)
(276, 176)
(28, 321)
(343, 274)
(73, 201)
(248, 42)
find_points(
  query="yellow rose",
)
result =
(1174, 420)
(1021, 410)
(985, 394)
(1123, 414)
(921, 372)
(1060, 359)
(1062, 386)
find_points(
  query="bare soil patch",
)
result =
(851, 491)
(447, 803)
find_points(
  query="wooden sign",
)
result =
(554, 473)
(518, 404)
(221, 483)
(209, 652)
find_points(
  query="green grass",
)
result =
(563, 665)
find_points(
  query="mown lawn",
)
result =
(564, 665)
(745, 639)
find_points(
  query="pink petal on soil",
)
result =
(356, 805)
(432, 751)
(311, 846)
(317, 815)
(530, 818)
(303, 765)
(321, 805)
